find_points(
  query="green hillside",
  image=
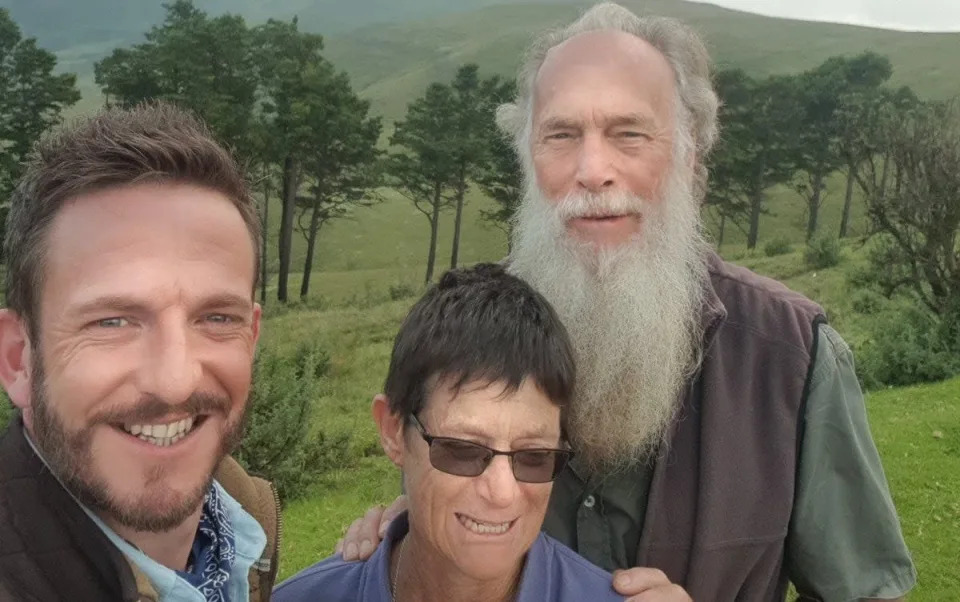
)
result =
(394, 63)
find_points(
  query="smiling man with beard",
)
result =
(127, 346)
(721, 433)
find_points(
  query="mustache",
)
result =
(152, 407)
(588, 204)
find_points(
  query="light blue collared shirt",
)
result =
(249, 541)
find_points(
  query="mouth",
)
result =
(485, 528)
(164, 434)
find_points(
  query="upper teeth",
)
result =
(485, 528)
(161, 434)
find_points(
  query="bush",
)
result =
(6, 412)
(867, 302)
(908, 346)
(823, 251)
(777, 246)
(279, 442)
(402, 290)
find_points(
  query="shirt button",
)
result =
(589, 501)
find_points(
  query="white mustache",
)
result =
(580, 205)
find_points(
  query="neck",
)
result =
(169, 548)
(424, 576)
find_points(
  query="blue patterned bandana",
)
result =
(213, 552)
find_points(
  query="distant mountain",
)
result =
(393, 49)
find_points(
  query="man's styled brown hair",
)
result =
(152, 142)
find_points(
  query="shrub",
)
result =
(777, 246)
(823, 251)
(280, 442)
(402, 290)
(866, 302)
(908, 346)
(6, 412)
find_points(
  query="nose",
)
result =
(170, 368)
(595, 168)
(497, 485)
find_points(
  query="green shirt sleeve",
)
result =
(845, 541)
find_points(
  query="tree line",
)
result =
(311, 143)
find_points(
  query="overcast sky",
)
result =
(915, 15)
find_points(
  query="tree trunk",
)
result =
(813, 205)
(311, 243)
(847, 200)
(756, 204)
(461, 191)
(290, 185)
(723, 227)
(434, 227)
(263, 234)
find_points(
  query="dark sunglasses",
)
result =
(468, 459)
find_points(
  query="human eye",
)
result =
(534, 458)
(221, 319)
(111, 322)
(463, 450)
(632, 135)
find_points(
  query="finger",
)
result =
(351, 541)
(663, 593)
(338, 549)
(637, 580)
(398, 507)
(367, 536)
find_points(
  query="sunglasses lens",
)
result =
(460, 458)
(538, 466)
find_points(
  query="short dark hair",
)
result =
(479, 324)
(151, 142)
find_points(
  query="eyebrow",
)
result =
(634, 119)
(559, 123)
(470, 430)
(123, 304)
(631, 119)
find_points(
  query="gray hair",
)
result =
(679, 44)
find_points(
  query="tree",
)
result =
(203, 64)
(32, 98)
(500, 176)
(913, 202)
(343, 161)
(757, 148)
(424, 168)
(286, 60)
(861, 142)
(820, 143)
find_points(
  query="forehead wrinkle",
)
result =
(602, 49)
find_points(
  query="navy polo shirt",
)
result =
(553, 573)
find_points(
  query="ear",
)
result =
(390, 426)
(15, 362)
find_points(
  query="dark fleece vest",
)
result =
(722, 492)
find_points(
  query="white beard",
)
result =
(632, 312)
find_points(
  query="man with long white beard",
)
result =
(721, 433)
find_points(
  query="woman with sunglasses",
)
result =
(472, 413)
